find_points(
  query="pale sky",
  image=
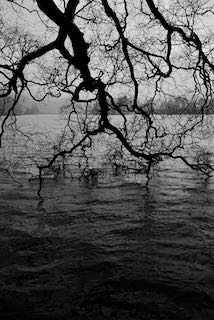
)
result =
(32, 23)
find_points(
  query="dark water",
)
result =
(108, 251)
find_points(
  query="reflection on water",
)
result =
(108, 251)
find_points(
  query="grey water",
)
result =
(114, 250)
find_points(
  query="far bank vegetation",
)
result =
(174, 105)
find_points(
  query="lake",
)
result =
(111, 249)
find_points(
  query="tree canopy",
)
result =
(96, 52)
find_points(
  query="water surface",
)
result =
(113, 250)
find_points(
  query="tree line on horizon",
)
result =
(20, 109)
(174, 105)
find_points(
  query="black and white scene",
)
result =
(106, 159)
